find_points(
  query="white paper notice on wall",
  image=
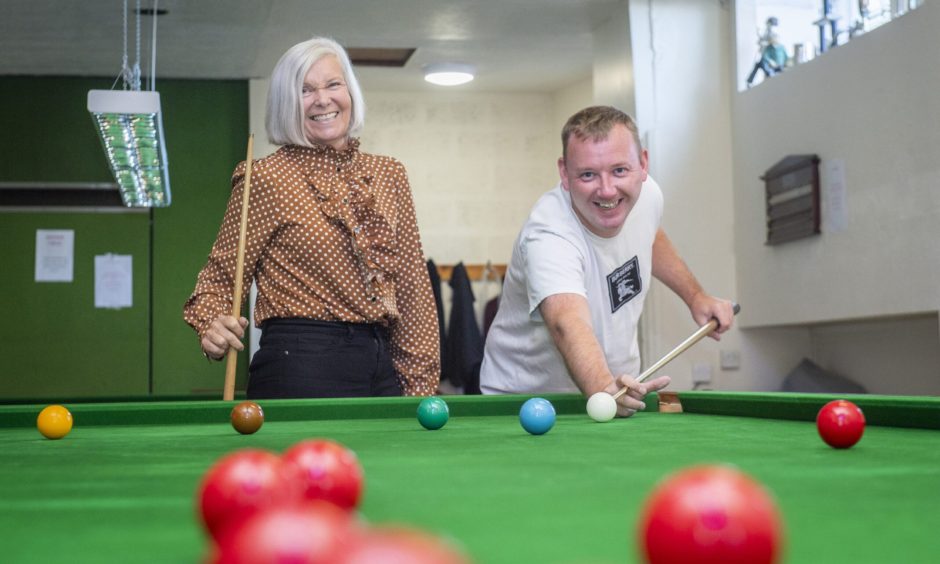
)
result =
(835, 216)
(55, 255)
(113, 281)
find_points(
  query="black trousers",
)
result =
(303, 358)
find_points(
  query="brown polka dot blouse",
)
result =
(331, 236)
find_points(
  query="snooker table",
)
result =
(120, 487)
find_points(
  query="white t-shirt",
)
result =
(555, 254)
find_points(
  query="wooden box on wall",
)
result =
(792, 194)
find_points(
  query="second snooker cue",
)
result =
(694, 338)
(231, 361)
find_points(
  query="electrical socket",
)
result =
(730, 360)
(701, 373)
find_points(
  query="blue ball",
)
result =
(537, 416)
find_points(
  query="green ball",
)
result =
(433, 413)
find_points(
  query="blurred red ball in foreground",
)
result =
(710, 514)
(329, 471)
(399, 545)
(240, 484)
(840, 423)
(306, 533)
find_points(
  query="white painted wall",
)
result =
(873, 105)
(890, 356)
(614, 83)
(567, 102)
(682, 63)
(477, 162)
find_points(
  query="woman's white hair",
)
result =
(284, 119)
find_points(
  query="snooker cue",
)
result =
(694, 338)
(231, 361)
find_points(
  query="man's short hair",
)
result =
(596, 122)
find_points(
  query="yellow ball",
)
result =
(54, 422)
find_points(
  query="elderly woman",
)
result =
(344, 299)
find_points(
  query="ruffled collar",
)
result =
(347, 197)
(345, 156)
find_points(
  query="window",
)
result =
(773, 35)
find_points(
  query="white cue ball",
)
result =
(602, 407)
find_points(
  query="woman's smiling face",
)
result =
(327, 104)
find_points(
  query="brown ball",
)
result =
(247, 417)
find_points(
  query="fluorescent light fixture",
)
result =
(448, 74)
(131, 129)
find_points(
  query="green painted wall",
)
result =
(55, 342)
(57, 345)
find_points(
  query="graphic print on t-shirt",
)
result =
(624, 283)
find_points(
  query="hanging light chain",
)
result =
(125, 70)
(131, 75)
(136, 71)
(153, 48)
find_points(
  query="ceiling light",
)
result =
(448, 74)
(130, 125)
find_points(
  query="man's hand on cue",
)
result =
(632, 401)
(705, 308)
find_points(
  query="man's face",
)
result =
(604, 179)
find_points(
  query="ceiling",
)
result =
(516, 45)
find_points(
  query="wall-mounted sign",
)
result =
(792, 193)
(55, 255)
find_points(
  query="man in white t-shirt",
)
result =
(581, 268)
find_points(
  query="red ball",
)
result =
(240, 484)
(399, 545)
(329, 471)
(840, 423)
(306, 533)
(710, 514)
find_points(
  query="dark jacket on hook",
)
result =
(464, 351)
